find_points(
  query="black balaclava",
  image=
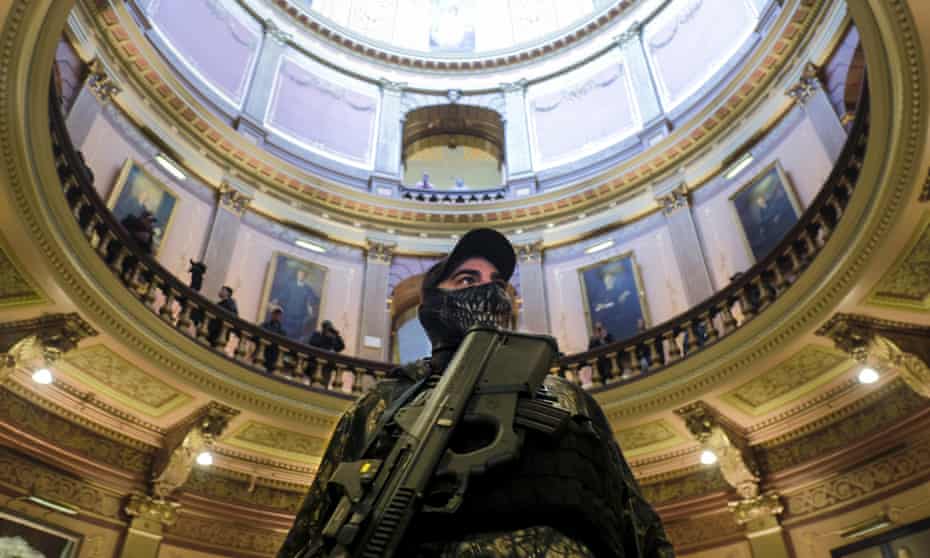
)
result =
(447, 314)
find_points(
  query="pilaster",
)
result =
(375, 330)
(534, 317)
(99, 89)
(232, 201)
(516, 131)
(810, 95)
(251, 122)
(676, 207)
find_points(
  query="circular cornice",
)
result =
(528, 52)
(155, 81)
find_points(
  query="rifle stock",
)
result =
(488, 376)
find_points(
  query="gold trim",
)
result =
(121, 184)
(637, 279)
(875, 299)
(789, 191)
(38, 295)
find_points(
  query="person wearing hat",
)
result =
(567, 495)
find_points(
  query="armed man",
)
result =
(475, 451)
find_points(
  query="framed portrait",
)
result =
(297, 287)
(613, 295)
(136, 190)
(24, 537)
(766, 208)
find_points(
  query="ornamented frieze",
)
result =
(232, 536)
(63, 433)
(703, 530)
(151, 509)
(907, 283)
(696, 484)
(234, 200)
(100, 82)
(16, 288)
(277, 441)
(218, 485)
(809, 83)
(654, 434)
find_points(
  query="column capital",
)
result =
(158, 511)
(276, 33)
(389, 86)
(100, 83)
(43, 339)
(807, 85)
(674, 200)
(634, 32)
(529, 252)
(758, 510)
(380, 252)
(518, 86)
(233, 199)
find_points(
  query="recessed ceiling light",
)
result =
(708, 457)
(390, 231)
(868, 375)
(43, 376)
(357, 224)
(518, 231)
(422, 235)
(205, 458)
(170, 166)
(582, 215)
(326, 215)
(599, 246)
(550, 225)
(739, 166)
(309, 245)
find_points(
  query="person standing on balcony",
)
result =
(567, 495)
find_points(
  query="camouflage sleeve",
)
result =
(346, 443)
(647, 526)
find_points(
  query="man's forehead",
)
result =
(474, 263)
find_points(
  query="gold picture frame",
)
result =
(272, 293)
(614, 326)
(758, 243)
(136, 189)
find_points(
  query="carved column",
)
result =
(390, 138)
(630, 44)
(148, 518)
(517, 135)
(40, 341)
(810, 95)
(758, 511)
(534, 315)
(375, 332)
(884, 345)
(99, 89)
(232, 202)
(686, 247)
(251, 120)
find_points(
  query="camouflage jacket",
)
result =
(636, 532)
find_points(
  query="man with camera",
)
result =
(327, 338)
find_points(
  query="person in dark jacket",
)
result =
(274, 324)
(327, 338)
(567, 495)
(228, 303)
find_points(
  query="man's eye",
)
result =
(466, 280)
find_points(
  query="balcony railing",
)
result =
(744, 298)
(430, 195)
(265, 352)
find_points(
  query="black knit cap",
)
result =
(481, 243)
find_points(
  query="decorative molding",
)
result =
(100, 83)
(734, 456)
(808, 368)
(674, 200)
(529, 252)
(807, 85)
(866, 480)
(230, 536)
(133, 387)
(272, 30)
(891, 409)
(278, 442)
(16, 287)
(23, 415)
(215, 484)
(380, 252)
(700, 483)
(703, 530)
(759, 512)
(653, 435)
(174, 462)
(634, 32)
(907, 282)
(33, 477)
(146, 508)
(233, 199)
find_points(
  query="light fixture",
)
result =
(454, 237)
(739, 166)
(312, 246)
(867, 527)
(391, 231)
(550, 225)
(357, 224)
(599, 246)
(708, 457)
(56, 506)
(422, 235)
(518, 231)
(43, 376)
(205, 458)
(582, 216)
(868, 375)
(326, 215)
(170, 166)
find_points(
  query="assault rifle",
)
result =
(491, 384)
